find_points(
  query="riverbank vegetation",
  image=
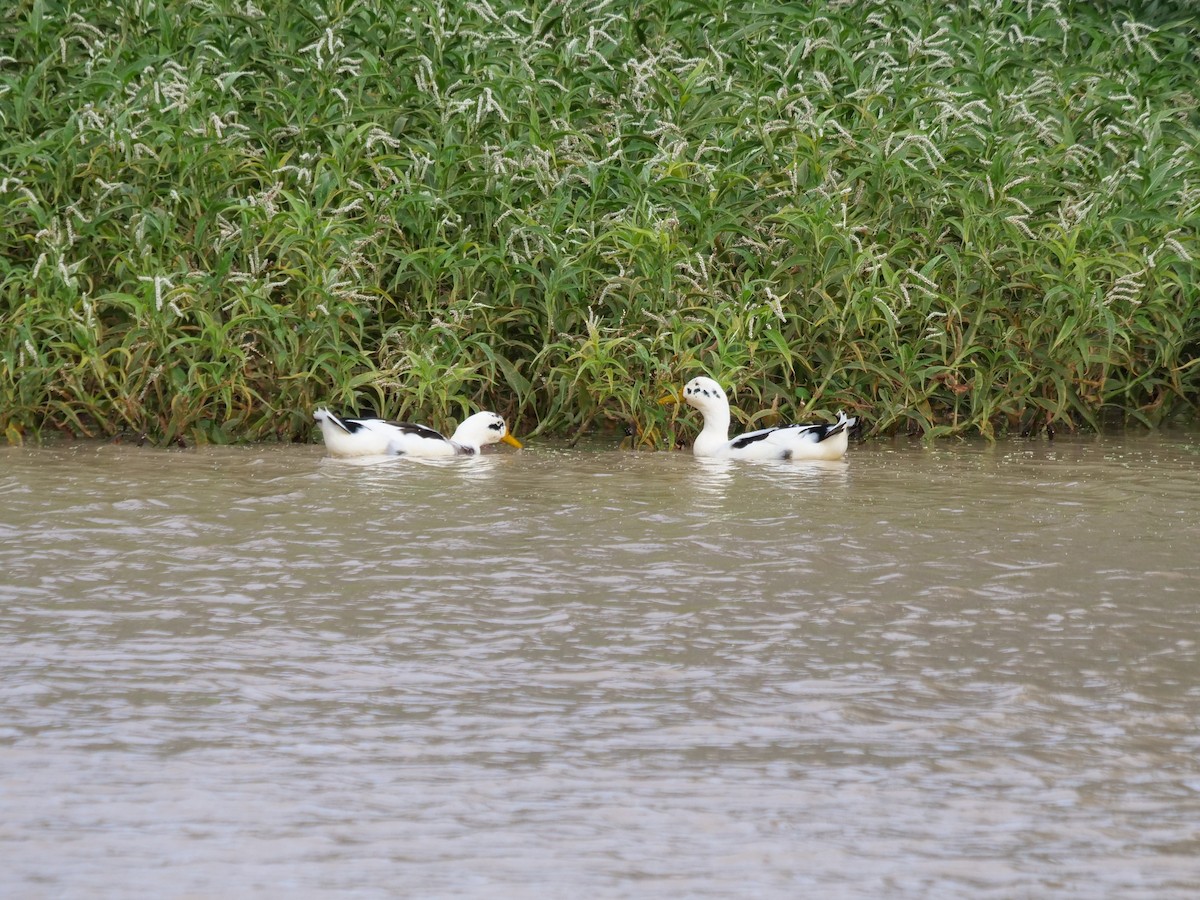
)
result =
(945, 218)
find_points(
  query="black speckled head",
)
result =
(479, 430)
(704, 393)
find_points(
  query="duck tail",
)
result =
(323, 415)
(844, 423)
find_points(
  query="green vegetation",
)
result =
(945, 217)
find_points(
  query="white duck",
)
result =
(349, 437)
(783, 442)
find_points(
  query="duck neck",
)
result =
(714, 433)
(463, 448)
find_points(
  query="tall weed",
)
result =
(948, 219)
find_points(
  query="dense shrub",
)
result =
(945, 217)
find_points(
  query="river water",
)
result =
(967, 671)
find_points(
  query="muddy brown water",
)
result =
(967, 671)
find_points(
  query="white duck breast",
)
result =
(823, 441)
(353, 437)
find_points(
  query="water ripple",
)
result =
(919, 673)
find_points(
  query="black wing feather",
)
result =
(353, 425)
(423, 430)
(821, 431)
(752, 437)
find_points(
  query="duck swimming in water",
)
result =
(800, 442)
(347, 437)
